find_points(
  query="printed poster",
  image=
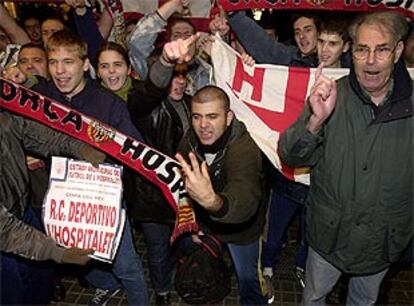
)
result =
(82, 207)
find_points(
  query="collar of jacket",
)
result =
(237, 128)
(400, 103)
(77, 99)
(299, 60)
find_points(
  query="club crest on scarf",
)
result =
(99, 133)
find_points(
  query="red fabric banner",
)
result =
(404, 6)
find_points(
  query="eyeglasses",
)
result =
(380, 53)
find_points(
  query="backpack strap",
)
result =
(212, 245)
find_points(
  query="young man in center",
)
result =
(222, 167)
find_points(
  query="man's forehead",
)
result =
(32, 52)
(303, 22)
(52, 24)
(211, 107)
(62, 51)
(31, 21)
(181, 26)
(373, 34)
(330, 36)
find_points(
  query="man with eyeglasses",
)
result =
(356, 134)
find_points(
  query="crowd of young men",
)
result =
(355, 134)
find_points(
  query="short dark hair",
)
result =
(209, 93)
(55, 18)
(32, 45)
(316, 19)
(175, 20)
(112, 46)
(268, 20)
(335, 25)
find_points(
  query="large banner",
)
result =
(267, 98)
(159, 168)
(404, 6)
(201, 8)
(83, 206)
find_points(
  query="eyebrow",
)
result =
(381, 45)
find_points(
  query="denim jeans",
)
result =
(126, 271)
(321, 276)
(246, 260)
(24, 281)
(157, 239)
(281, 212)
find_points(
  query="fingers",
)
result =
(180, 50)
(86, 252)
(14, 74)
(191, 40)
(204, 169)
(324, 88)
(194, 163)
(247, 59)
(196, 239)
(184, 165)
(318, 72)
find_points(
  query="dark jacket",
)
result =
(237, 177)
(360, 214)
(16, 135)
(96, 102)
(162, 129)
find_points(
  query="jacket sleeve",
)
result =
(19, 238)
(149, 94)
(142, 42)
(258, 44)
(44, 141)
(89, 31)
(298, 147)
(243, 192)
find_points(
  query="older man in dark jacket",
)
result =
(228, 186)
(357, 136)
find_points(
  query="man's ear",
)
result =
(86, 64)
(398, 51)
(346, 47)
(230, 116)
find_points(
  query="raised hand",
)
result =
(322, 100)
(198, 183)
(15, 75)
(179, 51)
(206, 44)
(174, 7)
(78, 5)
(219, 23)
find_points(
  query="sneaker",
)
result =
(162, 299)
(300, 276)
(270, 290)
(102, 297)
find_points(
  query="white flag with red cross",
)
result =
(267, 98)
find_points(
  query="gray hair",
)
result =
(391, 22)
